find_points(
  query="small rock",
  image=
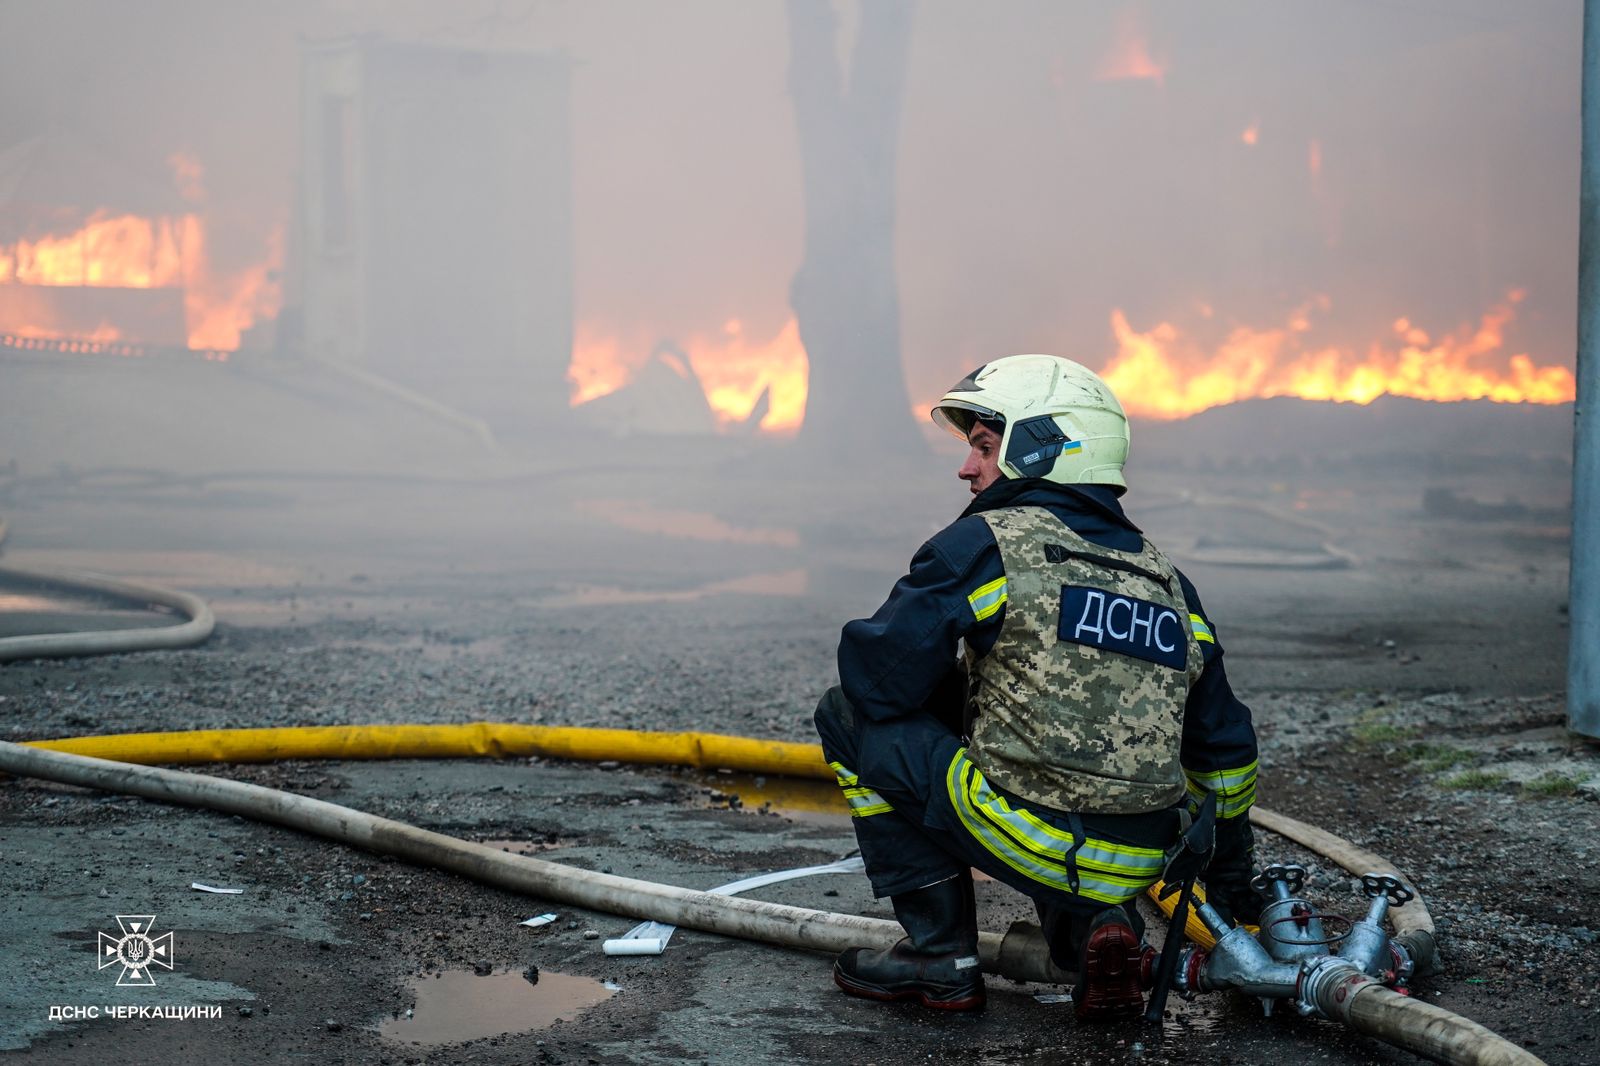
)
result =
(531, 974)
(591, 934)
(245, 1012)
(331, 1025)
(482, 969)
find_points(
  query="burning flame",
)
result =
(122, 251)
(104, 333)
(129, 252)
(219, 308)
(1130, 58)
(1159, 374)
(733, 370)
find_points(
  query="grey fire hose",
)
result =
(1021, 953)
(196, 628)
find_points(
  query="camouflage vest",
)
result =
(1079, 705)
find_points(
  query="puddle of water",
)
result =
(457, 1005)
(775, 583)
(1199, 1018)
(802, 799)
(691, 525)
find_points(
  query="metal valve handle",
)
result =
(1375, 885)
(1291, 875)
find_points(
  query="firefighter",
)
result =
(1041, 698)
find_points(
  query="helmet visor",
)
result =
(958, 416)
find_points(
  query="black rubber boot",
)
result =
(936, 963)
(1114, 969)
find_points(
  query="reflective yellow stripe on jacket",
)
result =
(987, 599)
(864, 802)
(1235, 789)
(1108, 872)
(1202, 632)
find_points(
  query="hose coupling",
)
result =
(1238, 961)
(1327, 985)
(1186, 978)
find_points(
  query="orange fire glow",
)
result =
(219, 307)
(1251, 134)
(1130, 58)
(121, 251)
(125, 251)
(104, 333)
(1160, 374)
(733, 370)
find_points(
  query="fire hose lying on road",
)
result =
(1349, 977)
(195, 628)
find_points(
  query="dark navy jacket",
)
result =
(891, 664)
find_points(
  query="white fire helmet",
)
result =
(1062, 423)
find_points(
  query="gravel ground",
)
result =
(1391, 711)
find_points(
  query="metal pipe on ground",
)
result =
(1583, 659)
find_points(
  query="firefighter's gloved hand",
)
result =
(1227, 879)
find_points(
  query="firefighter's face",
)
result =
(982, 467)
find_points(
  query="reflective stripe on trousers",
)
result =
(1105, 871)
(864, 802)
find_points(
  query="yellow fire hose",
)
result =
(497, 740)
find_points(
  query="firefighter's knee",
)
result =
(835, 720)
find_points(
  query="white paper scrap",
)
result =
(198, 887)
(662, 932)
(538, 920)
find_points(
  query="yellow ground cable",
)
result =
(493, 739)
